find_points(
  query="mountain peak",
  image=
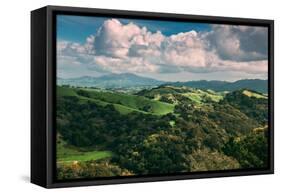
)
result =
(114, 80)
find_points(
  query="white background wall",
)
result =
(15, 94)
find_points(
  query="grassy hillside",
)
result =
(201, 96)
(254, 94)
(69, 154)
(124, 103)
(134, 102)
(253, 104)
(167, 129)
(174, 94)
(65, 91)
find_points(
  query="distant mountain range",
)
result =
(253, 84)
(124, 80)
(128, 80)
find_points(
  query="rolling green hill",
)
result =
(173, 94)
(254, 94)
(133, 101)
(253, 104)
(166, 129)
(124, 103)
(69, 154)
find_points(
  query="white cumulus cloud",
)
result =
(130, 48)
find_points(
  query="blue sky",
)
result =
(182, 51)
(78, 28)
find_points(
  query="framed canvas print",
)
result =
(125, 96)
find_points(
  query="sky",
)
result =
(163, 50)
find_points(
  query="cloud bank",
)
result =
(119, 48)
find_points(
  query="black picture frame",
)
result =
(43, 95)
